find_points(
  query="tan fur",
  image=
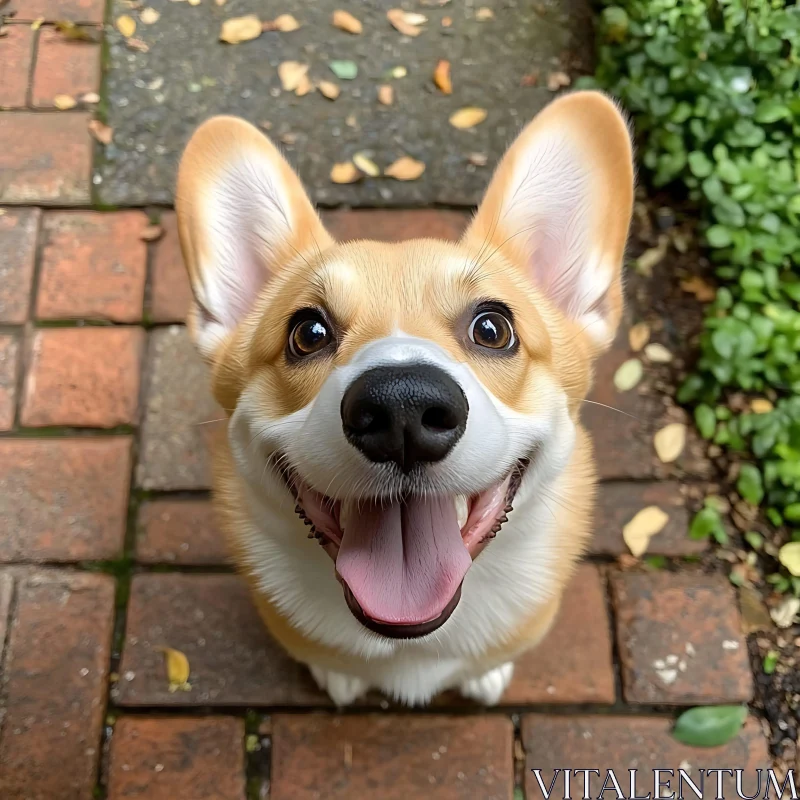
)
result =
(372, 289)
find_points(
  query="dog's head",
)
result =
(400, 394)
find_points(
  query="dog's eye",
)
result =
(309, 336)
(491, 329)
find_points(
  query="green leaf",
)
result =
(771, 661)
(709, 726)
(771, 111)
(718, 236)
(706, 420)
(706, 522)
(344, 70)
(700, 164)
(749, 485)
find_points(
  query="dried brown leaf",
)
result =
(385, 95)
(101, 132)
(137, 44)
(126, 25)
(345, 21)
(345, 172)
(655, 255)
(483, 14)
(63, 102)
(531, 79)
(304, 86)
(670, 441)
(240, 29)
(149, 16)
(468, 117)
(646, 524)
(406, 22)
(478, 159)
(151, 233)
(639, 336)
(329, 89)
(447, 22)
(405, 169)
(441, 77)
(755, 616)
(703, 291)
(291, 74)
(4, 31)
(657, 353)
(557, 80)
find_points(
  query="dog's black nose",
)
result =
(409, 415)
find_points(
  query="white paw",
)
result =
(489, 688)
(342, 689)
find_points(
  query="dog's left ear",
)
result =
(560, 205)
(242, 216)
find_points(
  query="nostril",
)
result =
(438, 418)
(369, 418)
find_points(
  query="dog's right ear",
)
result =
(242, 215)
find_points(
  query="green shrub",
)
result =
(712, 86)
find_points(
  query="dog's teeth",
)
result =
(508, 509)
(311, 536)
(462, 510)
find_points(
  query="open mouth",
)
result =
(401, 563)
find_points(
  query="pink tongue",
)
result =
(403, 562)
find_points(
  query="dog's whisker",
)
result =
(603, 405)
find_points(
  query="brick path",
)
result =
(108, 551)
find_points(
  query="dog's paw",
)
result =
(342, 689)
(489, 688)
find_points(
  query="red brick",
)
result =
(620, 426)
(64, 67)
(9, 349)
(84, 377)
(394, 757)
(94, 265)
(52, 10)
(15, 65)
(179, 532)
(391, 226)
(618, 504)
(18, 233)
(680, 639)
(556, 671)
(170, 292)
(181, 417)
(63, 499)
(55, 690)
(6, 598)
(45, 158)
(213, 621)
(163, 759)
(625, 743)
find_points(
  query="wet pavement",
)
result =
(155, 99)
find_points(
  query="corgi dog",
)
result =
(404, 481)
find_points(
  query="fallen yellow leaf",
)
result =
(468, 117)
(703, 291)
(285, 23)
(69, 30)
(345, 172)
(151, 233)
(789, 556)
(405, 169)
(149, 16)
(91, 98)
(399, 72)
(760, 405)
(63, 102)
(345, 21)
(557, 80)
(657, 353)
(628, 375)
(329, 89)
(482, 14)
(194, 2)
(447, 22)
(177, 669)
(385, 95)
(240, 29)
(366, 165)
(37, 23)
(639, 336)
(646, 524)
(101, 132)
(441, 77)
(126, 25)
(304, 87)
(291, 74)
(406, 22)
(670, 441)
